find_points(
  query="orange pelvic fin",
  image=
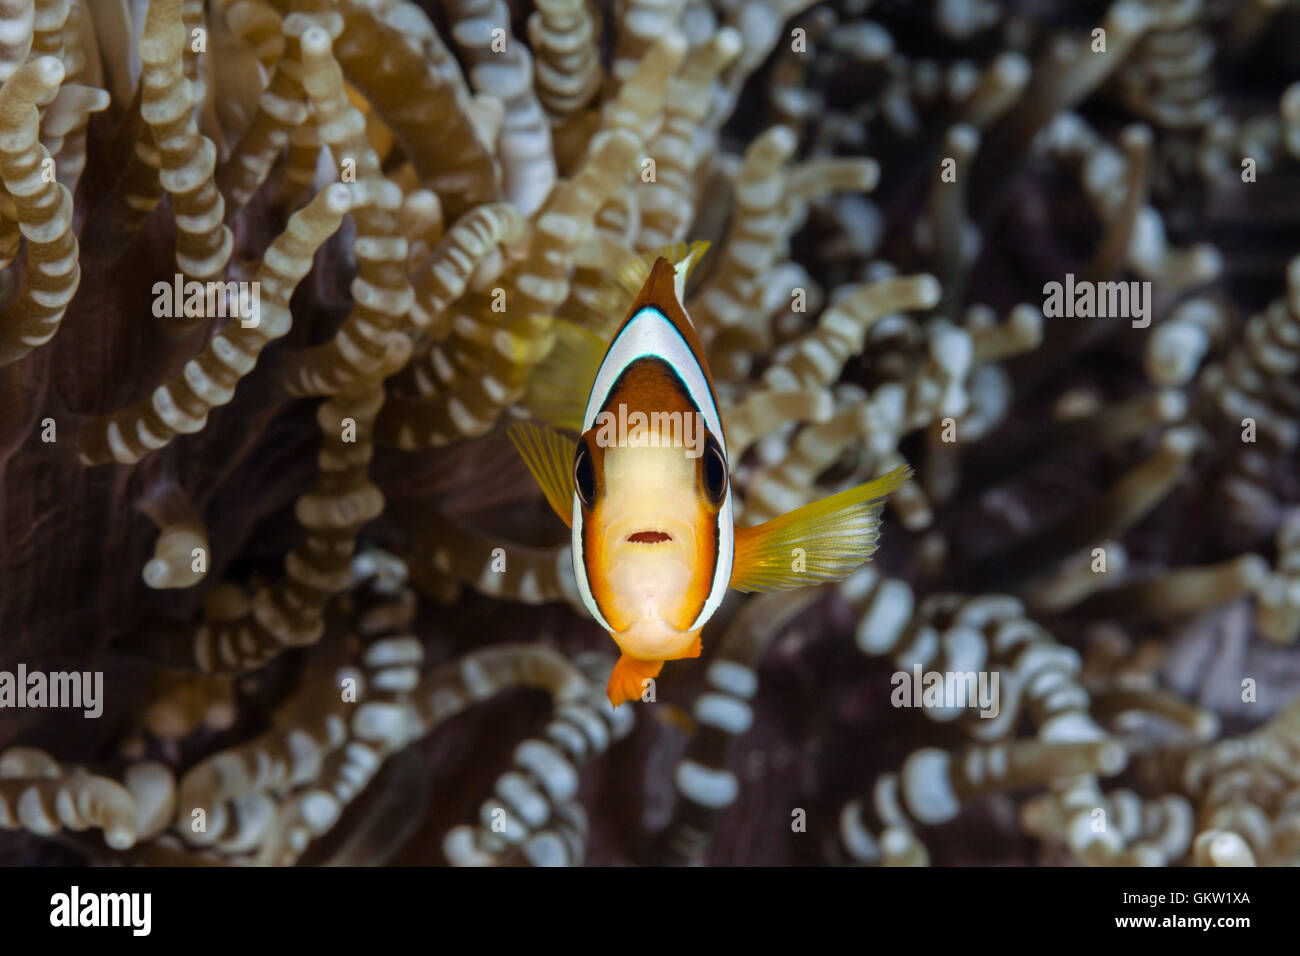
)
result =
(626, 682)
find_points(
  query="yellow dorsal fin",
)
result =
(684, 265)
(549, 456)
(835, 536)
(616, 294)
(631, 275)
(560, 384)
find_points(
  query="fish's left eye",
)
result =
(715, 471)
(584, 476)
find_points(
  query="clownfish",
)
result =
(646, 489)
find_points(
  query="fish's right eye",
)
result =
(584, 477)
(715, 471)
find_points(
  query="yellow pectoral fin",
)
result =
(627, 682)
(823, 541)
(549, 456)
(559, 385)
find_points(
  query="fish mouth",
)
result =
(649, 537)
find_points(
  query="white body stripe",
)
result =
(580, 569)
(650, 334)
(726, 555)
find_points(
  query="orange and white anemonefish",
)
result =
(647, 494)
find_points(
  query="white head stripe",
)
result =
(650, 335)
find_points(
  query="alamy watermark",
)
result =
(207, 300)
(947, 689)
(130, 910)
(1083, 299)
(654, 430)
(82, 690)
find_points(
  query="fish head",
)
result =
(648, 516)
(653, 538)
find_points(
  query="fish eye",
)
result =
(584, 476)
(715, 471)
